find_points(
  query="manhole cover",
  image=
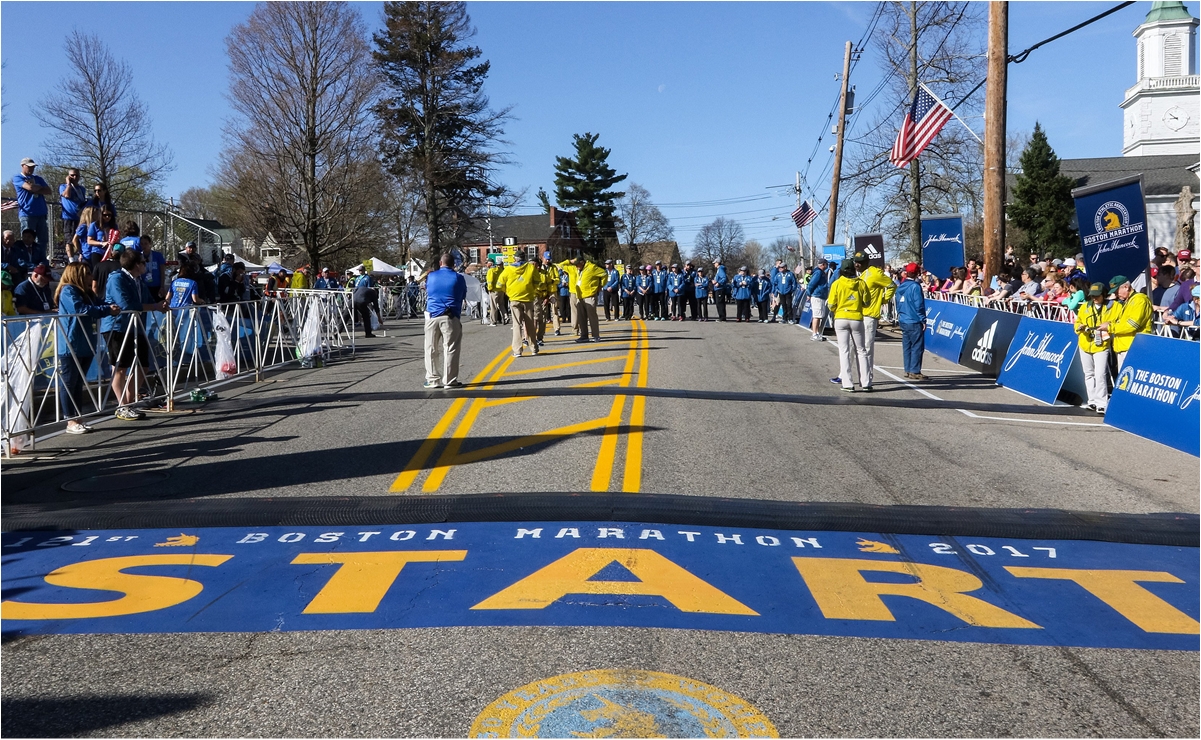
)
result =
(116, 482)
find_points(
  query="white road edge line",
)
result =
(965, 412)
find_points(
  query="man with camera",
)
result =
(71, 197)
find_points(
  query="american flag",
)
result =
(925, 119)
(8, 205)
(803, 215)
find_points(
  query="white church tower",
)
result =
(1162, 110)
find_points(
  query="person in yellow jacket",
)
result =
(541, 309)
(880, 289)
(550, 284)
(586, 279)
(1134, 316)
(1095, 344)
(848, 296)
(497, 307)
(520, 282)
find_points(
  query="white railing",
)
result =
(184, 349)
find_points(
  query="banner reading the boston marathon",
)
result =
(1113, 228)
(873, 246)
(942, 244)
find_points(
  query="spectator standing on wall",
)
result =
(101, 200)
(72, 199)
(31, 202)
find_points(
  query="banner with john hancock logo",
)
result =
(942, 244)
(1113, 229)
(1042, 360)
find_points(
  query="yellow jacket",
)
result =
(299, 281)
(1088, 317)
(1132, 318)
(9, 309)
(520, 282)
(847, 298)
(491, 277)
(880, 289)
(584, 283)
(550, 281)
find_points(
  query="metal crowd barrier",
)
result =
(185, 349)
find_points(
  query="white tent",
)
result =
(250, 266)
(379, 267)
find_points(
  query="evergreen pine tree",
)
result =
(583, 184)
(1041, 200)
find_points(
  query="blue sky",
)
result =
(700, 102)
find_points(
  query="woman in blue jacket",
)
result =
(629, 289)
(78, 311)
(701, 284)
(675, 288)
(762, 295)
(128, 348)
(742, 285)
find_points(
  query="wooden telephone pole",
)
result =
(842, 120)
(994, 138)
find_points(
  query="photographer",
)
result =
(1092, 322)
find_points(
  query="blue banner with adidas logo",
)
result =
(1156, 393)
(1043, 360)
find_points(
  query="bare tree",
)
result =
(939, 44)
(640, 222)
(214, 202)
(784, 248)
(719, 239)
(98, 123)
(754, 255)
(406, 218)
(301, 155)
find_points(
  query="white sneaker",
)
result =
(77, 427)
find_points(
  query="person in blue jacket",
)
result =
(646, 291)
(689, 294)
(783, 283)
(741, 286)
(611, 292)
(761, 294)
(721, 288)
(700, 284)
(128, 348)
(564, 299)
(659, 289)
(629, 289)
(911, 313)
(819, 290)
(78, 310)
(675, 293)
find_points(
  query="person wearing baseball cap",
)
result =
(880, 290)
(819, 291)
(1183, 256)
(31, 203)
(659, 291)
(1134, 316)
(848, 296)
(761, 294)
(911, 315)
(675, 288)
(611, 292)
(1186, 313)
(721, 288)
(33, 296)
(740, 285)
(1095, 344)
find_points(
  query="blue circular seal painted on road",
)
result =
(620, 703)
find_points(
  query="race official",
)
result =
(700, 285)
(611, 292)
(1134, 317)
(445, 292)
(675, 293)
(742, 286)
(880, 290)
(783, 283)
(659, 288)
(819, 291)
(497, 306)
(761, 291)
(520, 282)
(847, 299)
(586, 279)
(629, 290)
(911, 314)
(721, 288)
(1095, 344)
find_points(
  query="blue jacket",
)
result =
(819, 285)
(127, 293)
(761, 289)
(19, 256)
(700, 284)
(645, 284)
(628, 284)
(675, 282)
(660, 279)
(742, 285)
(74, 333)
(564, 283)
(783, 283)
(613, 280)
(445, 291)
(911, 304)
(720, 280)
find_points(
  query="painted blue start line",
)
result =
(1035, 592)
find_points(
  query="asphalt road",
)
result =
(706, 410)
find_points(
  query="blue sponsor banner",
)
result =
(835, 253)
(807, 312)
(942, 244)
(947, 326)
(975, 589)
(1157, 393)
(1043, 358)
(1112, 220)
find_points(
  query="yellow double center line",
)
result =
(634, 371)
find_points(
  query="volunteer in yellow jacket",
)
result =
(586, 279)
(880, 290)
(1134, 314)
(519, 282)
(496, 306)
(847, 298)
(546, 285)
(1095, 344)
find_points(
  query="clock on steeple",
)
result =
(1161, 110)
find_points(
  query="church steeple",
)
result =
(1166, 11)
(1161, 110)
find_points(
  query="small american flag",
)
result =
(925, 119)
(803, 215)
(8, 205)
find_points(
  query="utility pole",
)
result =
(994, 138)
(915, 167)
(842, 120)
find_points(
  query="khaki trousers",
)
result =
(523, 319)
(443, 335)
(586, 316)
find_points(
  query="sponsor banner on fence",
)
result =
(1112, 220)
(834, 253)
(942, 244)
(615, 574)
(807, 312)
(1042, 360)
(988, 340)
(1156, 394)
(873, 246)
(947, 327)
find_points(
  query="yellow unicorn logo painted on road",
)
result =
(183, 540)
(873, 546)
